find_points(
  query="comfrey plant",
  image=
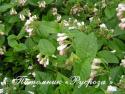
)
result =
(43, 60)
(120, 13)
(28, 29)
(61, 37)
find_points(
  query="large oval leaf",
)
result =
(46, 47)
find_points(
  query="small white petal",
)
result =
(28, 22)
(22, 17)
(34, 74)
(1, 91)
(38, 56)
(58, 18)
(61, 47)
(72, 27)
(30, 67)
(123, 20)
(97, 60)
(79, 24)
(46, 63)
(113, 51)
(42, 4)
(95, 10)
(103, 26)
(30, 92)
(94, 67)
(29, 30)
(91, 19)
(62, 38)
(93, 73)
(111, 89)
(82, 23)
(61, 34)
(13, 11)
(54, 11)
(123, 60)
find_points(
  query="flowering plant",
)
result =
(62, 46)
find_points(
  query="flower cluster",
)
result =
(73, 24)
(28, 23)
(55, 13)
(42, 60)
(2, 50)
(94, 67)
(22, 17)
(4, 82)
(1, 33)
(111, 89)
(122, 62)
(13, 11)
(105, 32)
(103, 26)
(22, 2)
(61, 37)
(76, 9)
(120, 14)
(122, 81)
(42, 4)
(103, 3)
(1, 91)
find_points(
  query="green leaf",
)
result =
(20, 47)
(86, 48)
(2, 28)
(44, 28)
(22, 33)
(42, 76)
(108, 56)
(12, 19)
(5, 7)
(49, 27)
(88, 90)
(116, 44)
(85, 45)
(46, 47)
(110, 11)
(82, 69)
(2, 40)
(30, 43)
(12, 41)
(116, 73)
(63, 88)
(33, 2)
(48, 1)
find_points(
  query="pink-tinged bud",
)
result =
(122, 8)
(123, 20)
(122, 26)
(29, 30)
(119, 15)
(62, 52)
